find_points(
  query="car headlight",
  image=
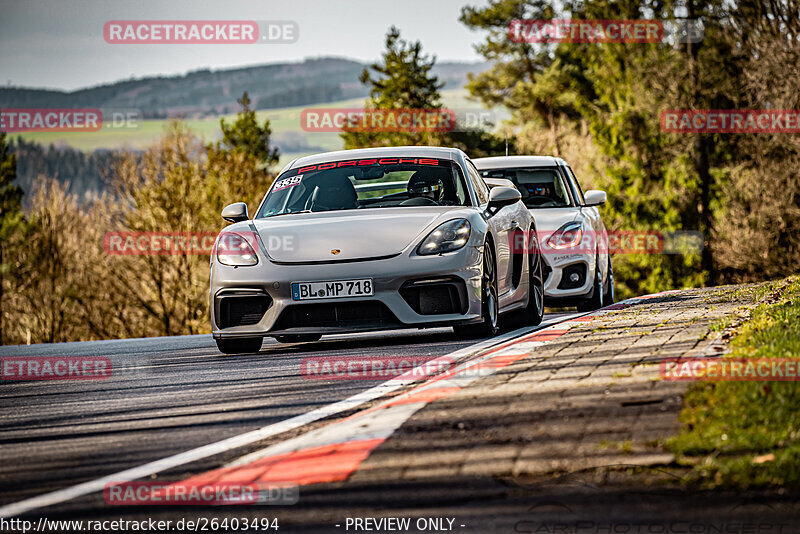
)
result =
(233, 249)
(567, 236)
(447, 237)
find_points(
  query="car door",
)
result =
(504, 224)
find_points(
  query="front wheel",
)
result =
(298, 338)
(534, 311)
(246, 345)
(490, 307)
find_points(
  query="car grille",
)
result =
(361, 314)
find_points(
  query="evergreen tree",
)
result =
(240, 165)
(246, 135)
(404, 80)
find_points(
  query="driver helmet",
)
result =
(427, 187)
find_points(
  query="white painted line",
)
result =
(142, 471)
(375, 425)
(388, 416)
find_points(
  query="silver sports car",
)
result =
(373, 239)
(574, 240)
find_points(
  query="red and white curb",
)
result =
(333, 452)
(242, 440)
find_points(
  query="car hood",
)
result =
(355, 234)
(548, 220)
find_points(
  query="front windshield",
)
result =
(366, 183)
(540, 187)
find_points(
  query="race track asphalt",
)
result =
(169, 395)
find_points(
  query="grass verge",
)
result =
(747, 434)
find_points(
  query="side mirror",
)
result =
(498, 182)
(500, 197)
(594, 197)
(235, 212)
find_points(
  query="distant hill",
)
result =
(207, 92)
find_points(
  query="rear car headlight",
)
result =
(233, 249)
(447, 237)
(567, 236)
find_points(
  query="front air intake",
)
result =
(241, 307)
(438, 296)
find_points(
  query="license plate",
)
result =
(332, 290)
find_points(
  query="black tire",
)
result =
(596, 300)
(490, 310)
(610, 294)
(534, 311)
(244, 345)
(298, 338)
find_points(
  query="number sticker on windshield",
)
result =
(287, 182)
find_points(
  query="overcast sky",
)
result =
(59, 43)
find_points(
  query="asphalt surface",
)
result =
(170, 395)
(166, 396)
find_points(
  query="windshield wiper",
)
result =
(289, 213)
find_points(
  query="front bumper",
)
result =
(558, 288)
(270, 309)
